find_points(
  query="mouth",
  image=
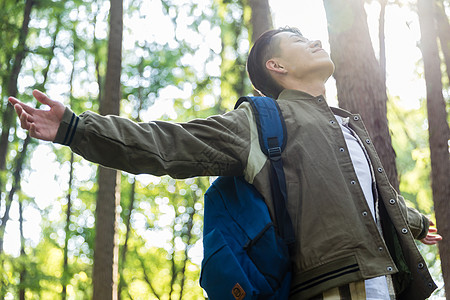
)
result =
(317, 50)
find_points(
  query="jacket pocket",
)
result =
(222, 275)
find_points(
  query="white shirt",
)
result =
(376, 288)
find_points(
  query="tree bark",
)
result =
(444, 34)
(382, 40)
(23, 270)
(439, 133)
(108, 199)
(360, 85)
(16, 186)
(66, 273)
(261, 21)
(123, 256)
(65, 277)
(106, 238)
(261, 18)
(21, 157)
(97, 61)
(8, 115)
(189, 226)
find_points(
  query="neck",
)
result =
(314, 88)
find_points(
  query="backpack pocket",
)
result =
(222, 276)
(271, 256)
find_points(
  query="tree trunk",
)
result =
(106, 239)
(123, 256)
(173, 266)
(360, 86)
(66, 273)
(108, 199)
(261, 17)
(439, 133)
(444, 33)
(8, 115)
(26, 143)
(65, 277)
(97, 61)
(16, 186)
(261, 21)
(189, 225)
(381, 38)
(23, 270)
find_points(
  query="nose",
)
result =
(315, 44)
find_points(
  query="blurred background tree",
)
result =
(439, 133)
(180, 60)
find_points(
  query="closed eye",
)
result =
(301, 40)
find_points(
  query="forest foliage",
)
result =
(182, 59)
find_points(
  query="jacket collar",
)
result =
(342, 112)
(294, 95)
(299, 95)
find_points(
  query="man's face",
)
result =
(303, 58)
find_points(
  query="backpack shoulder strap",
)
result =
(272, 139)
(270, 124)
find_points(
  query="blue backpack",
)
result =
(245, 255)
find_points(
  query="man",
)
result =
(354, 234)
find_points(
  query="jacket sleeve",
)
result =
(218, 145)
(417, 222)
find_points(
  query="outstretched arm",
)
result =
(42, 124)
(218, 145)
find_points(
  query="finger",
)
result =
(432, 230)
(14, 101)
(431, 239)
(436, 237)
(18, 108)
(431, 223)
(23, 117)
(43, 98)
(428, 241)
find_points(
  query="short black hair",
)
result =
(263, 50)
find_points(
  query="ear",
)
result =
(275, 66)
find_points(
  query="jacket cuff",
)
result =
(425, 228)
(67, 128)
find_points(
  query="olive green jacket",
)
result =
(337, 241)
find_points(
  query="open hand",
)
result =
(432, 237)
(42, 124)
